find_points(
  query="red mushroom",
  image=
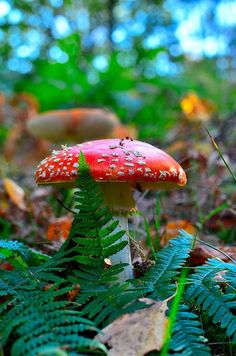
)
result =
(120, 166)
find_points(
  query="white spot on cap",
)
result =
(108, 174)
(115, 154)
(112, 166)
(137, 153)
(129, 164)
(99, 160)
(141, 162)
(120, 173)
(76, 165)
(105, 155)
(128, 158)
(174, 172)
(147, 169)
(140, 169)
(74, 172)
(115, 160)
(127, 152)
(131, 172)
(164, 174)
(112, 147)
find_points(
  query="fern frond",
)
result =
(93, 226)
(40, 320)
(206, 293)
(159, 280)
(187, 338)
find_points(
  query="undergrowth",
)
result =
(56, 305)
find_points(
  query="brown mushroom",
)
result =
(73, 125)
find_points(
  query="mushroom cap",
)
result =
(73, 125)
(114, 160)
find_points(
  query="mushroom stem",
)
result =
(124, 255)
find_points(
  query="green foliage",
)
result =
(187, 338)
(40, 318)
(93, 233)
(93, 226)
(206, 293)
(19, 254)
(159, 279)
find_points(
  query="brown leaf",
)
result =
(59, 228)
(172, 229)
(15, 192)
(138, 333)
(201, 253)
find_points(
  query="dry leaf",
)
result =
(15, 192)
(138, 333)
(59, 228)
(201, 253)
(172, 230)
(195, 108)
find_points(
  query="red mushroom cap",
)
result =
(114, 160)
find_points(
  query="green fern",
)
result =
(187, 338)
(94, 232)
(39, 319)
(206, 293)
(93, 226)
(159, 280)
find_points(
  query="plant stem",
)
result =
(124, 255)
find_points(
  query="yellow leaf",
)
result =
(138, 333)
(15, 192)
(195, 108)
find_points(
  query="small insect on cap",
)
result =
(115, 163)
(73, 125)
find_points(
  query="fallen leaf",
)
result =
(59, 228)
(172, 229)
(15, 192)
(138, 333)
(195, 108)
(201, 253)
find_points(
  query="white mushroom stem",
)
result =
(118, 196)
(123, 256)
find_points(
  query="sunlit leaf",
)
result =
(15, 193)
